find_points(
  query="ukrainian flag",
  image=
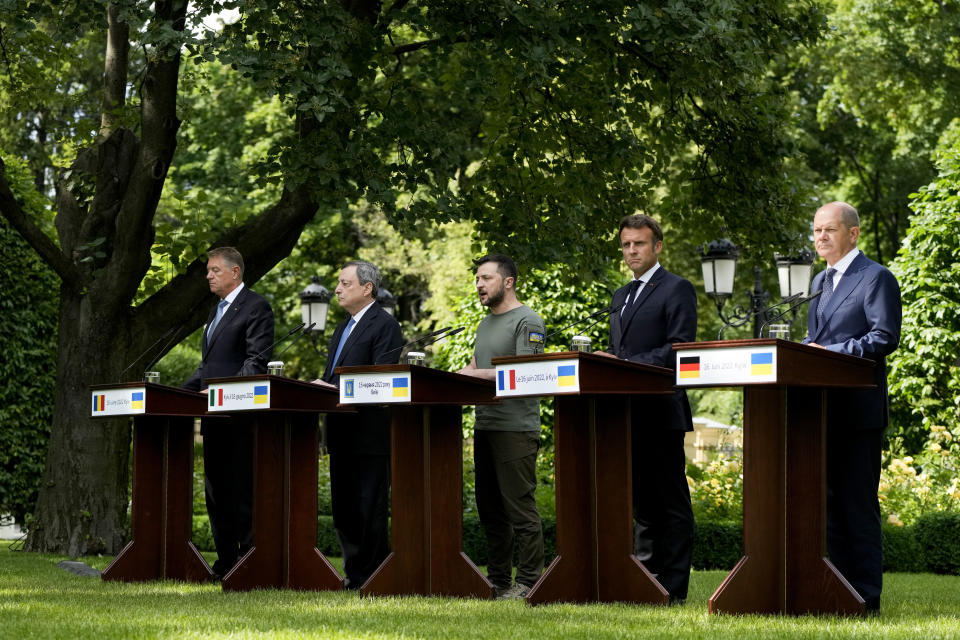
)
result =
(401, 387)
(260, 394)
(761, 364)
(136, 400)
(567, 375)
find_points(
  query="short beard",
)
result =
(494, 298)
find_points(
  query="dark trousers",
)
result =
(228, 487)
(359, 490)
(661, 507)
(854, 538)
(506, 479)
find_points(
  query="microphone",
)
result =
(436, 335)
(803, 301)
(294, 341)
(287, 335)
(596, 314)
(149, 349)
(741, 321)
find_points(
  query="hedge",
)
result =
(933, 544)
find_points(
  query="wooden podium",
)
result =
(285, 413)
(426, 469)
(595, 561)
(784, 568)
(161, 509)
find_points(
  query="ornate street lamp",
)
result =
(719, 263)
(387, 300)
(314, 304)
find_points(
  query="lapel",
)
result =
(848, 284)
(229, 315)
(361, 327)
(648, 288)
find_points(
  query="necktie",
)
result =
(631, 295)
(827, 292)
(343, 340)
(221, 309)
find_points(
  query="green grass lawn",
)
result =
(38, 600)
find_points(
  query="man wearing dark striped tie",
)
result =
(858, 313)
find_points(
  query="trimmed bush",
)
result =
(901, 550)
(717, 544)
(938, 537)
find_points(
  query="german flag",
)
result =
(689, 367)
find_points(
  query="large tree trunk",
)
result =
(82, 506)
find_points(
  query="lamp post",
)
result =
(387, 300)
(314, 304)
(719, 263)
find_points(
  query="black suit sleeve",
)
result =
(387, 342)
(680, 320)
(259, 338)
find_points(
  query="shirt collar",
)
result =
(230, 297)
(360, 313)
(646, 275)
(844, 263)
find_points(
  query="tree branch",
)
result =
(37, 239)
(424, 44)
(115, 70)
(134, 235)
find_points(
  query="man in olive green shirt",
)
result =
(507, 436)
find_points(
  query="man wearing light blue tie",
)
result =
(359, 443)
(235, 342)
(858, 313)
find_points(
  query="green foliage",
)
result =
(938, 535)
(716, 491)
(28, 342)
(924, 383)
(717, 544)
(901, 551)
(926, 482)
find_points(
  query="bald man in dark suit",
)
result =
(858, 313)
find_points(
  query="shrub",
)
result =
(938, 536)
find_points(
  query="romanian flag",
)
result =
(136, 400)
(401, 387)
(260, 394)
(216, 397)
(508, 381)
(689, 367)
(98, 402)
(567, 375)
(761, 364)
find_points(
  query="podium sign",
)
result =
(123, 401)
(538, 378)
(375, 388)
(729, 366)
(239, 395)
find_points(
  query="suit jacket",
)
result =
(244, 331)
(862, 318)
(664, 313)
(376, 339)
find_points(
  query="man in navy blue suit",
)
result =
(858, 313)
(659, 309)
(359, 443)
(235, 342)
